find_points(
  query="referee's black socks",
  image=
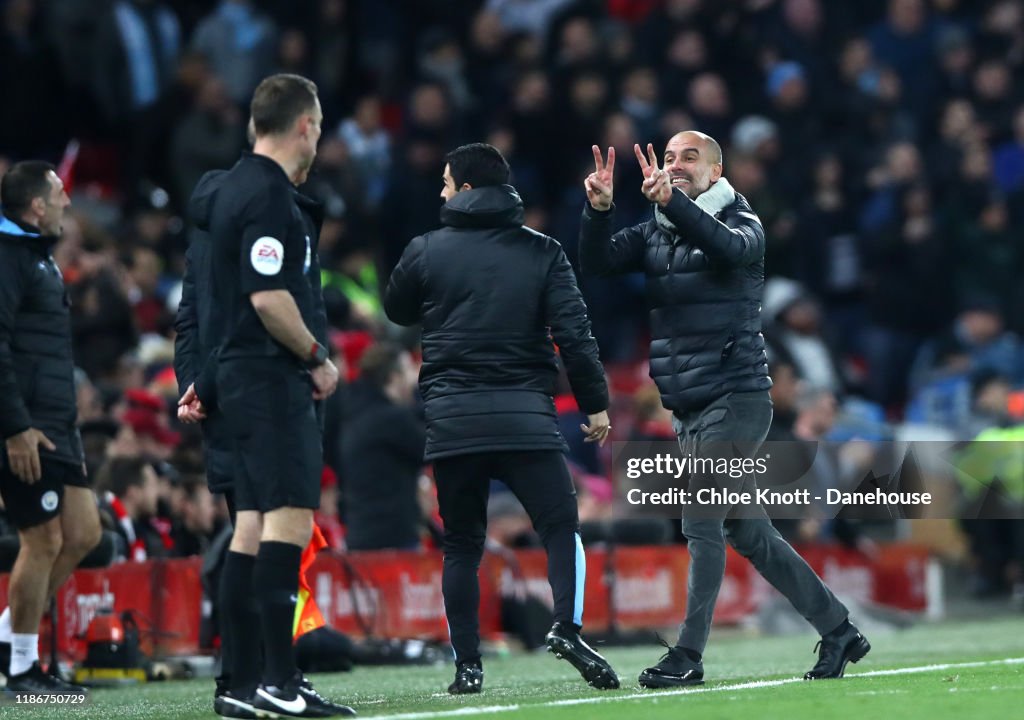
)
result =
(276, 585)
(239, 614)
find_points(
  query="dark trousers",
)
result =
(736, 425)
(541, 482)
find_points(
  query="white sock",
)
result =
(5, 625)
(24, 652)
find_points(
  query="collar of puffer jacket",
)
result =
(486, 207)
(17, 231)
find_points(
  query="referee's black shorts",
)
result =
(28, 505)
(268, 405)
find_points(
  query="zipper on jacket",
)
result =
(727, 348)
(671, 254)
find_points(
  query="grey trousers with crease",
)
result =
(737, 424)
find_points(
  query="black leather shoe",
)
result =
(319, 706)
(675, 669)
(227, 704)
(835, 650)
(469, 678)
(566, 644)
(279, 700)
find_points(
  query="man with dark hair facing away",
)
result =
(490, 294)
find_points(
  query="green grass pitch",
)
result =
(930, 672)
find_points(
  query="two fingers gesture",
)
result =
(657, 185)
(599, 182)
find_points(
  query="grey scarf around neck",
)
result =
(711, 201)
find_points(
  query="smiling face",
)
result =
(693, 161)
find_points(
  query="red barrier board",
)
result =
(166, 595)
(398, 594)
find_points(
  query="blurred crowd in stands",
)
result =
(880, 141)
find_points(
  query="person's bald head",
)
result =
(693, 160)
(695, 138)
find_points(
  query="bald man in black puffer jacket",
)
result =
(703, 257)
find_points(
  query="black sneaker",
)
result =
(35, 682)
(469, 678)
(835, 650)
(675, 669)
(565, 642)
(319, 706)
(227, 704)
(68, 688)
(5, 658)
(284, 701)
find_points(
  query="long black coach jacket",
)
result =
(486, 290)
(37, 372)
(704, 284)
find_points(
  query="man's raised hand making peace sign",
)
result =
(657, 186)
(599, 182)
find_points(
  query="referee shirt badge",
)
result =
(267, 256)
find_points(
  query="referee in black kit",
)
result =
(486, 289)
(264, 378)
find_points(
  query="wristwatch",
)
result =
(318, 355)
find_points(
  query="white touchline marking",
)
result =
(752, 685)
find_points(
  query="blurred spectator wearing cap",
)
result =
(757, 171)
(799, 124)
(146, 416)
(382, 447)
(794, 322)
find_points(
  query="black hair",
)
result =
(478, 164)
(122, 472)
(23, 183)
